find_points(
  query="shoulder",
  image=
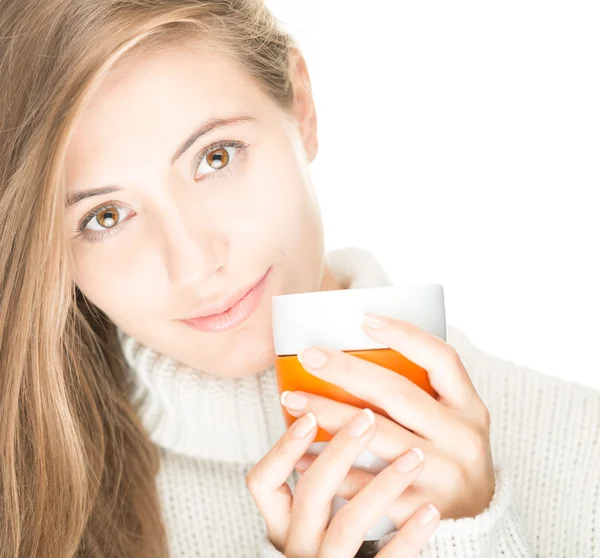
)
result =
(489, 372)
(544, 432)
(530, 410)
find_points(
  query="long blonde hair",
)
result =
(77, 469)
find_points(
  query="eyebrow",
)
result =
(209, 125)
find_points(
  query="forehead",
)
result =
(153, 100)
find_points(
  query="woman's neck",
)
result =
(330, 282)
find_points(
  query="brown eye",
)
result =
(104, 221)
(108, 217)
(218, 158)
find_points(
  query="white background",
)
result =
(460, 143)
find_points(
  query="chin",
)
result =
(251, 354)
(247, 366)
(254, 360)
(252, 369)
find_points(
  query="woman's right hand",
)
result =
(298, 524)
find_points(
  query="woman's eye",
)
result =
(106, 218)
(217, 158)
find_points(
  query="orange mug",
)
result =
(332, 319)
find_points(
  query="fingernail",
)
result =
(312, 358)
(303, 463)
(294, 401)
(410, 460)
(375, 322)
(304, 425)
(361, 423)
(428, 515)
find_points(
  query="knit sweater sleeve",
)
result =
(497, 532)
(269, 551)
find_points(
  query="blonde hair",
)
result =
(77, 469)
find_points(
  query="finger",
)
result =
(311, 507)
(446, 371)
(266, 481)
(447, 462)
(389, 440)
(401, 509)
(414, 534)
(397, 396)
(351, 523)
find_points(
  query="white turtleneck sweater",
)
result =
(211, 431)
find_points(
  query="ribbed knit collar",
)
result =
(191, 412)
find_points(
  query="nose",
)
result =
(192, 254)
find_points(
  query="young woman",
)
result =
(154, 195)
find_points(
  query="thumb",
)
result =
(267, 480)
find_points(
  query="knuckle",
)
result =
(303, 489)
(398, 393)
(479, 415)
(485, 418)
(343, 526)
(307, 497)
(456, 477)
(302, 486)
(253, 479)
(452, 355)
(473, 445)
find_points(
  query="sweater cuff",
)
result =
(497, 532)
(269, 551)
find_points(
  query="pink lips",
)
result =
(237, 314)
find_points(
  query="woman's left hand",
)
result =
(452, 431)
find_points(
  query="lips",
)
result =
(224, 304)
(233, 315)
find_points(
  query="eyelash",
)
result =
(93, 236)
(229, 143)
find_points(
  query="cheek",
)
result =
(284, 202)
(281, 175)
(115, 287)
(288, 220)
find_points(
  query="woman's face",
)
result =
(189, 224)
